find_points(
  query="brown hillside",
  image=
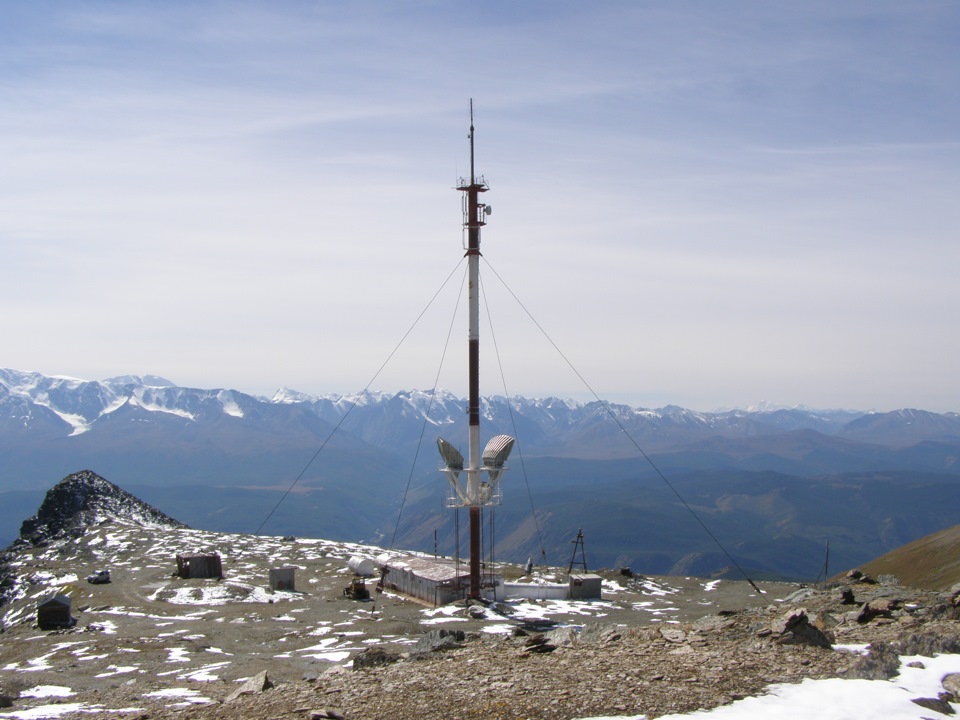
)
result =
(932, 562)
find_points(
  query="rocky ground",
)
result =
(391, 665)
(609, 670)
(151, 645)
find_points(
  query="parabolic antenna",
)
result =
(496, 452)
(452, 458)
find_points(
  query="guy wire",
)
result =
(624, 430)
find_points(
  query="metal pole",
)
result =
(473, 469)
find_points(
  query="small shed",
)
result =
(437, 581)
(283, 578)
(206, 565)
(585, 586)
(53, 612)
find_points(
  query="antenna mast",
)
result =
(477, 492)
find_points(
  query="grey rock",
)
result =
(936, 704)
(790, 620)
(846, 597)
(882, 662)
(374, 657)
(598, 633)
(565, 636)
(538, 644)
(929, 644)
(951, 683)
(439, 640)
(954, 594)
(794, 628)
(878, 607)
(257, 684)
(327, 714)
(799, 595)
(673, 634)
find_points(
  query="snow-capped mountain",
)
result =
(79, 404)
(33, 401)
(220, 459)
(35, 405)
(146, 418)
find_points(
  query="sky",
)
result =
(702, 204)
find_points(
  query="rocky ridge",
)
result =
(78, 502)
(81, 500)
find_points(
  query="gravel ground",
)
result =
(149, 645)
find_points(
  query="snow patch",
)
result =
(45, 691)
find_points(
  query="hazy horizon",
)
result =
(702, 205)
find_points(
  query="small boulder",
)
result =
(374, 657)
(327, 714)
(538, 644)
(565, 636)
(879, 607)
(882, 662)
(825, 621)
(846, 597)
(951, 683)
(257, 684)
(438, 641)
(936, 704)
(672, 634)
(794, 628)
(954, 594)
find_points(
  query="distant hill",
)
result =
(774, 525)
(932, 562)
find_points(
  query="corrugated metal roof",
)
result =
(435, 569)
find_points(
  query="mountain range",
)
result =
(774, 484)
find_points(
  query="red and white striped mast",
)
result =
(478, 492)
